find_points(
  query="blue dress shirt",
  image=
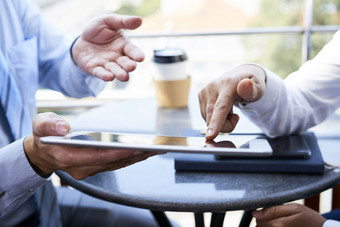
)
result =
(38, 57)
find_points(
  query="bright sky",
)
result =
(249, 6)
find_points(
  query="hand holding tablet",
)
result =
(225, 145)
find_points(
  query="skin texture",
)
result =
(79, 162)
(245, 84)
(242, 84)
(104, 52)
(288, 215)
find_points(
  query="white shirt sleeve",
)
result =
(18, 180)
(304, 99)
(331, 223)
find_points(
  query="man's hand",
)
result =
(104, 52)
(289, 215)
(79, 162)
(242, 84)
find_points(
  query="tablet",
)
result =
(286, 147)
(226, 145)
(293, 146)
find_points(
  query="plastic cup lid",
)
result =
(169, 55)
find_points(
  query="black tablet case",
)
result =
(206, 162)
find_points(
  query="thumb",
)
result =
(132, 22)
(245, 89)
(50, 124)
(115, 21)
(278, 211)
(249, 90)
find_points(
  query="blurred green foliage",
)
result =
(145, 8)
(282, 53)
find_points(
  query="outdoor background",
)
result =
(210, 54)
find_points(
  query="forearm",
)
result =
(57, 70)
(68, 79)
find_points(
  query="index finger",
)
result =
(220, 112)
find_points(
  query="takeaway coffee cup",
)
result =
(171, 80)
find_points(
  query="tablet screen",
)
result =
(229, 145)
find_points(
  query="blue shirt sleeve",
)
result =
(18, 180)
(38, 56)
(55, 67)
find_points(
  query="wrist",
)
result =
(71, 49)
(32, 154)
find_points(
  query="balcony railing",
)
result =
(306, 30)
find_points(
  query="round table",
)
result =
(154, 183)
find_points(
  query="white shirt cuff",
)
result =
(331, 223)
(271, 94)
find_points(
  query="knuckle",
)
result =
(220, 105)
(211, 87)
(295, 207)
(210, 108)
(42, 126)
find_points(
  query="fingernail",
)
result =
(257, 213)
(61, 127)
(209, 133)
